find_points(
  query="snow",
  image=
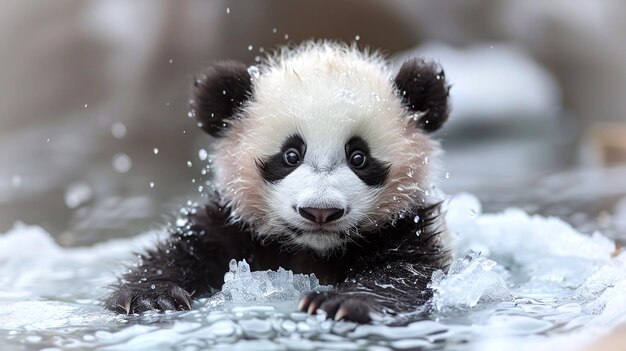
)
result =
(518, 282)
(544, 266)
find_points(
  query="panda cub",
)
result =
(322, 164)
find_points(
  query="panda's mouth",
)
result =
(318, 230)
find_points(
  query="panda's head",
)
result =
(321, 144)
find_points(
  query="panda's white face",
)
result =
(323, 152)
(322, 193)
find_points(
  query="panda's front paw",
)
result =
(136, 298)
(337, 306)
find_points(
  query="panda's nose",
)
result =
(320, 215)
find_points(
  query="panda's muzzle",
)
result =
(321, 215)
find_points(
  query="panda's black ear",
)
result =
(423, 89)
(221, 89)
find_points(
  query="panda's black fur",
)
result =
(386, 269)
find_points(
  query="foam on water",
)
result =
(514, 277)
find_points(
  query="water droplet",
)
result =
(223, 92)
(200, 188)
(447, 175)
(118, 129)
(171, 60)
(86, 105)
(122, 163)
(228, 10)
(152, 286)
(426, 160)
(473, 213)
(47, 140)
(77, 194)
(254, 72)
(189, 164)
(155, 150)
(286, 36)
(203, 155)
(250, 47)
(152, 184)
(357, 37)
(416, 219)
(274, 30)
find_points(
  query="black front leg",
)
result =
(191, 262)
(390, 288)
(390, 273)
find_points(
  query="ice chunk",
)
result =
(469, 280)
(242, 285)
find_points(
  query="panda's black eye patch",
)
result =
(281, 164)
(370, 170)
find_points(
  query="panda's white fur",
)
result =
(326, 93)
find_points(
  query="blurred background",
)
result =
(95, 142)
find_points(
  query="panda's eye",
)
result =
(357, 159)
(291, 157)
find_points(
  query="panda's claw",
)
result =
(337, 306)
(137, 298)
(312, 308)
(120, 301)
(354, 310)
(304, 302)
(125, 307)
(341, 313)
(181, 296)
